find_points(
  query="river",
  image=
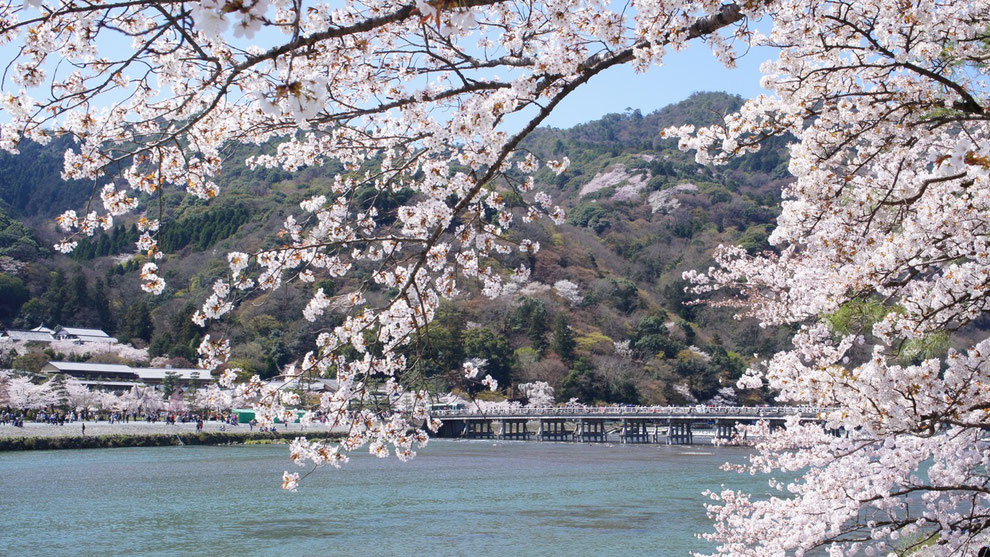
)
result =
(456, 498)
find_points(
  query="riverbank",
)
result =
(102, 435)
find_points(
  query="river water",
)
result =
(455, 498)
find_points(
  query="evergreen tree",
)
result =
(36, 311)
(76, 300)
(186, 334)
(702, 376)
(102, 306)
(137, 322)
(277, 356)
(583, 383)
(653, 337)
(169, 383)
(689, 334)
(563, 339)
(493, 347)
(182, 337)
(626, 295)
(13, 295)
(55, 296)
(444, 350)
(161, 345)
(531, 318)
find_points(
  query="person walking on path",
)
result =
(84, 430)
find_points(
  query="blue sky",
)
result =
(682, 74)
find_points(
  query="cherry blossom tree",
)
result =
(880, 248)
(24, 394)
(539, 393)
(568, 291)
(880, 257)
(48, 395)
(20, 392)
(76, 348)
(177, 403)
(213, 398)
(5, 377)
(141, 399)
(726, 396)
(79, 396)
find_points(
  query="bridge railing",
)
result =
(698, 411)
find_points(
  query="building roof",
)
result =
(80, 332)
(29, 336)
(120, 371)
(44, 334)
(88, 367)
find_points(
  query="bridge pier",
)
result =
(725, 430)
(513, 429)
(679, 433)
(479, 429)
(635, 431)
(592, 431)
(553, 430)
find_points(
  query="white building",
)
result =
(83, 335)
(27, 336)
(118, 376)
(44, 334)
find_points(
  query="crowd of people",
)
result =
(9, 418)
(60, 418)
(223, 420)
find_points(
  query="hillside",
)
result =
(639, 214)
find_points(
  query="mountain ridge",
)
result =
(639, 213)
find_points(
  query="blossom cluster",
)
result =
(879, 254)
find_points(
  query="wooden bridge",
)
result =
(671, 425)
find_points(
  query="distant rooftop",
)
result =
(78, 331)
(148, 375)
(88, 366)
(44, 334)
(29, 336)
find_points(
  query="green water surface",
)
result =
(455, 498)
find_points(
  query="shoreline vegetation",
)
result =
(118, 440)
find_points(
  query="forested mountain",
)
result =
(603, 319)
(30, 183)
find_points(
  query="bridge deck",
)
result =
(673, 425)
(739, 413)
